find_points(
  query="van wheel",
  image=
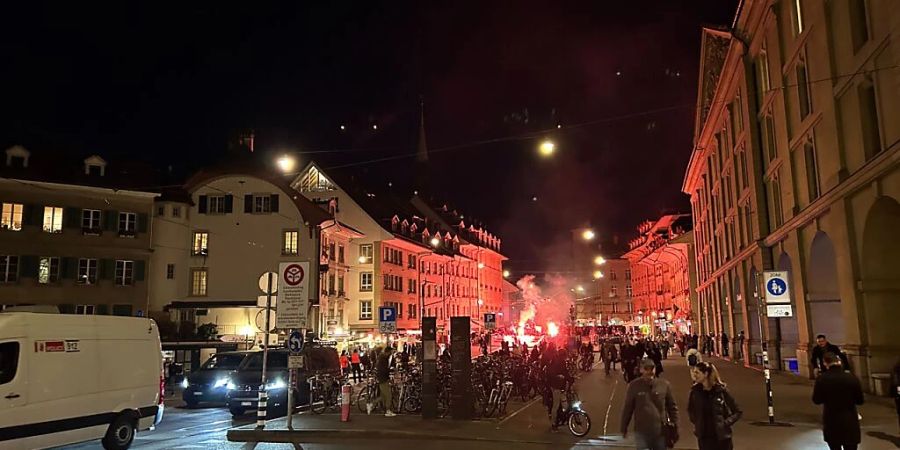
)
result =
(236, 412)
(120, 433)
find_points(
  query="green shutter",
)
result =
(68, 268)
(139, 267)
(33, 215)
(229, 204)
(142, 223)
(248, 203)
(102, 310)
(273, 203)
(72, 218)
(111, 220)
(107, 269)
(28, 266)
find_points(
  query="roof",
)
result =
(713, 50)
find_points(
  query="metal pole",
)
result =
(765, 353)
(290, 393)
(263, 395)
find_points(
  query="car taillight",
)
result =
(162, 389)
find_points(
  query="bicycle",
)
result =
(573, 415)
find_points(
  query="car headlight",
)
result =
(184, 383)
(230, 385)
(277, 384)
(220, 383)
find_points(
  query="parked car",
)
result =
(66, 379)
(243, 387)
(210, 382)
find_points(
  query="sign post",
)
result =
(295, 361)
(387, 319)
(293, 302)
(267, 283)
(777, 300)
(490, 323)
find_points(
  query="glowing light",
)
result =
(579, 288)
(552, 329)
(480, 302)
(588, 235)
(286, 163)
(338, 330)
(481, 265)
(599, 260)
(247, 330)
(363, 260)
(435, 242)
(598, 274)
(374, 127)
(534, 199)
(505, 274)
(547, 148)
(558, 126)
(343, 127)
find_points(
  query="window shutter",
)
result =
(111, 221)
(142, 223)
(201, 205)
(248, 203)
(68, 268)
(66, 308)
(28, 266)
(106, 269)
(72, 218)
(274, 203)
(102, 310)
(139, 267)
(229, 204)
(30, 215)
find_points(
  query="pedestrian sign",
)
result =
(295, 342)
(777, 287)
(490, 321)
(387, 319)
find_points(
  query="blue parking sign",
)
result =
(387, 319)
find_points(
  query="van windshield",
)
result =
(223, 361)
(277, 360)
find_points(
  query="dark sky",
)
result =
(168, 83)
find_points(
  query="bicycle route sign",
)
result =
(387, 319)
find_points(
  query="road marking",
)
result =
(518, 411)
(609, 407)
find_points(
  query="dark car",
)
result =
(243, 388)
(210, 382)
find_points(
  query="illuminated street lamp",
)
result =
(598, 274)
(579, 288)
(286, 163)
(435, 242)
(588, 234)
(505, 274)
(363, 260)
(599, 260)
(547, 147)
(481, 265)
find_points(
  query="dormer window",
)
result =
(17, 156)
(95, 166)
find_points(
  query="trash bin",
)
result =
(881, 384)
(791, 365)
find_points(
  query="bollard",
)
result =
(346, 392)
(261, 408)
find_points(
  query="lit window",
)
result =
(124, 273)
(48, 270)
(12, 217)
(198, 282)
(365, 310)
(291, 242)
(87, 271)
(127, 223)
(200, 246)
(365, 253)
(9, 268)
(90, 220)
(365, 281)
(53, 219)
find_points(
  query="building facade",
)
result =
(663, 273)
(73, 236)
(796, 168)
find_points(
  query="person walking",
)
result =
(725, 343)
(711, 409)
(345, 363)
(740, 345)
(839, 392)
(383, 375)
(654, 354)
(818, 355)
(355, 362)
(650, 402)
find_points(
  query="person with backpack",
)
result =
(649, 401)
(712, 409)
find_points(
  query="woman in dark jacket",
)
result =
(712, 409)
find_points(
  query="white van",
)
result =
(71, 378)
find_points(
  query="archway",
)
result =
(790, 333)
(823, 296)
(881, 282)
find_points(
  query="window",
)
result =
(216, 204)
(170, 271)
(290, 242)
(812, 170)
(411, 311)
(9, 268)
(87, 271)
(12, 217)
(777, 218)
(868, 107)
(797, 16)
(176, 211)
(161, 211)
(627, 274)
(365, 281)
(340, 285)
(124, 273)
(612, 275)
(90, 220)
(127, 223)
(769, 126)
(762, 77)
(200, 246)
(199, 281)
(53, 219)
(859, 23)
(411, 262)
(628, 290)
(365, 253)
(9, 361)
(262, 204)
(411, 286)
(742, 157)
(803, 90)
(365, 310)
(48, 270)
(331, 280)
(341, 254)
(87, 310)
(737, 115)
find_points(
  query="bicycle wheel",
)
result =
(362, 399)
(579, 423)
(411, 405)
(317, 401)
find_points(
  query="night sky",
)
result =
(169, 83)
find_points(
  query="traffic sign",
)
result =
(267, 285)
(293, 295)
(295, 342)
(387, 319)
(778, 290)
(296, 361)
(490, 321)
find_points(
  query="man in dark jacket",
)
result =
(649, 400)
(558, 378)
(839, 392)
(822, 347)
(383, 375)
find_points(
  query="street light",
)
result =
(598, 274)
(435, 242)
(580, 288)
(286, 163)
(588, 235)
(481, 265)
(599, 260)
(505, 274)
(547, 147)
